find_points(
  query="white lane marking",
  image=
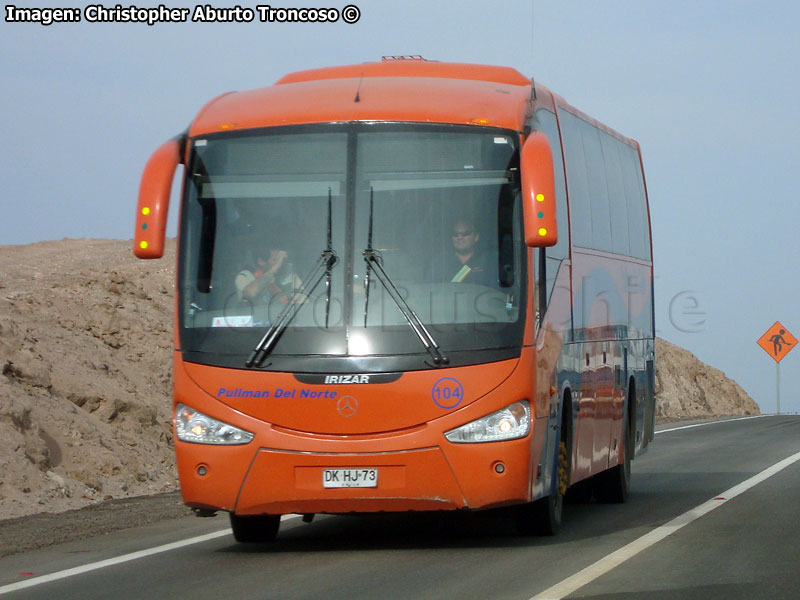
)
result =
(711, 423)
(110, 562)
(605, 564)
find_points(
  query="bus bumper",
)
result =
(278, 481)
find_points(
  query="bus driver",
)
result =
(467, 264)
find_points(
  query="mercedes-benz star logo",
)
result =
(347, 406)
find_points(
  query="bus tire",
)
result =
(613, 486)
(249, 529)
(542, 517)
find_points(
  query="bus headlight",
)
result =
(194, 426)
(510, 423)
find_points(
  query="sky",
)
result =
(709, 90)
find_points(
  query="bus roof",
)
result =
(413, 90)
(412, 67)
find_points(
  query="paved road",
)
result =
(746, 546)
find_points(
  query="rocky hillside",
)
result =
(687, 388)
(85, 351)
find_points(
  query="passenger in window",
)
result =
(270, 275)
(467, 263)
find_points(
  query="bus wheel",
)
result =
(544, 516)
(249, 529)
(613, 486)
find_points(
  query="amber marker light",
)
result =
(540, 197)
(146, 210)
(143, 245)
(542, 231)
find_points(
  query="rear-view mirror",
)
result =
(153, 205)
(538, 192)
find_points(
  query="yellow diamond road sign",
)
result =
(777, 342)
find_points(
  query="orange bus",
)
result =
(404, 285)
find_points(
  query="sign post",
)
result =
(777, 342)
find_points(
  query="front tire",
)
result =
(544, 516)
(250, 529)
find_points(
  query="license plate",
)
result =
(347, 478)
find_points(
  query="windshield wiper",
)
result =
(321, 269)
(373, 259)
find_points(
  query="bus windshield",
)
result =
(437, 205)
